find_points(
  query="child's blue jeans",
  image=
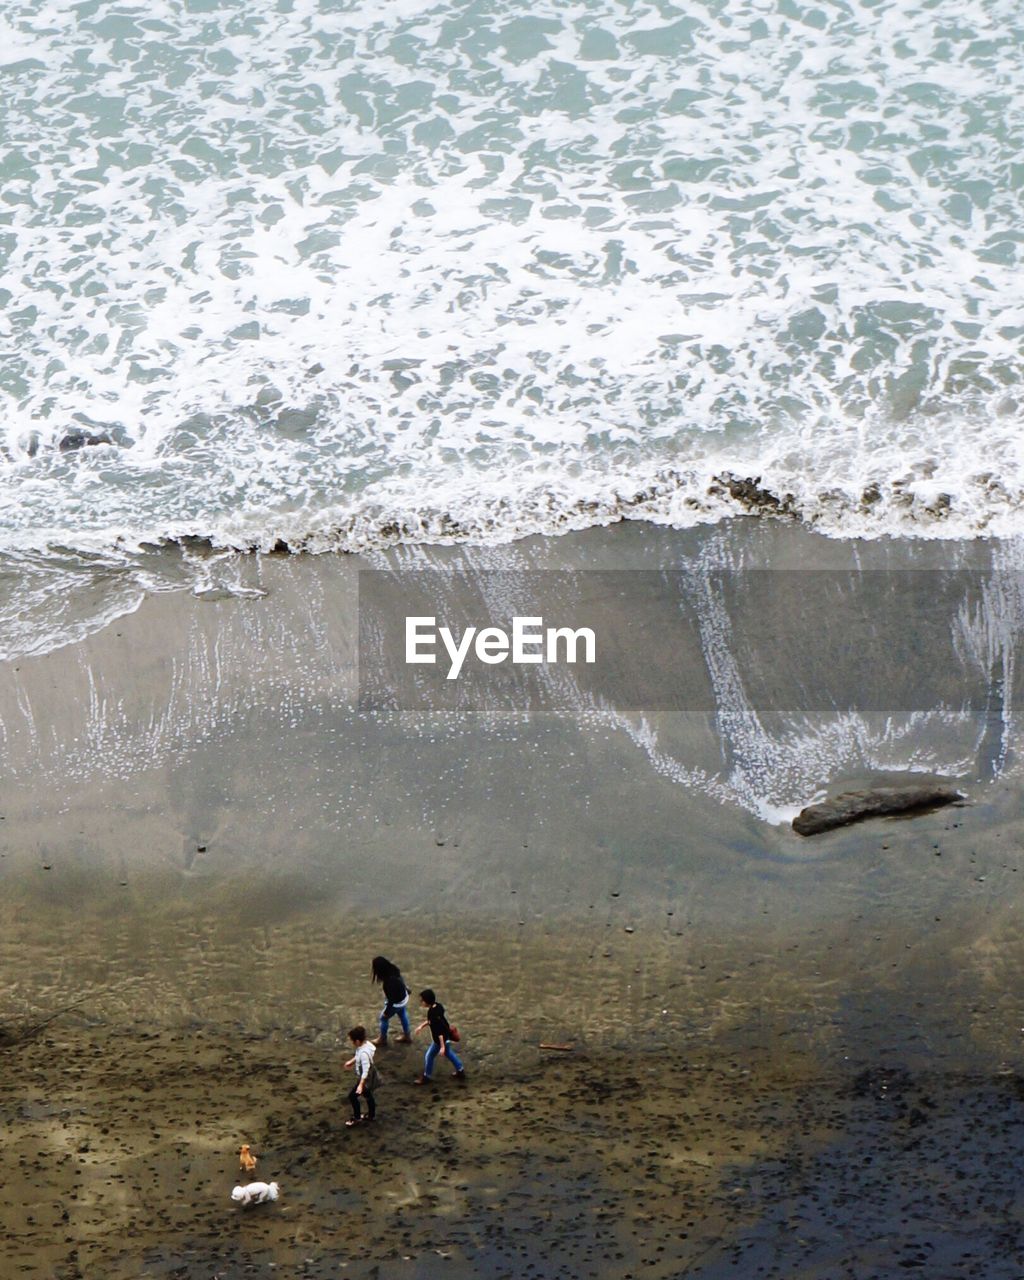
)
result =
(433, 1051)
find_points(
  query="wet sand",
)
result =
(816, 1101)
(748, 1132)
(576, 1167)
(790, 1057)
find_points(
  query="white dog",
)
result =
(255, 1193)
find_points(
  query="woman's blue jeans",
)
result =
(433, 1051)
(388, 1012)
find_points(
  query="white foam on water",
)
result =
(348, 276)
(50, 601)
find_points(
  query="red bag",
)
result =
(453, 1033)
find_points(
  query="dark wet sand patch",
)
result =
(121, 1148)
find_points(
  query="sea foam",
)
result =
(337, 276)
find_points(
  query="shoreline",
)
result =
(121, 580)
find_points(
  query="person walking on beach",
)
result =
(441, 1034)
(367, 1078)
(396, 997)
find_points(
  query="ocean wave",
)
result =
(927, 492)
(428, 271)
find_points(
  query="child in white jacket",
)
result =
(366, 1077)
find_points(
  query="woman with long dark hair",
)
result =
(396, 996)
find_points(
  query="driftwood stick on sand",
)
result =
(9, 1039)
(562, 1048)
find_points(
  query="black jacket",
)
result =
(394, 988)
(439, 1025)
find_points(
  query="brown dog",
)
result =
(246, 1160)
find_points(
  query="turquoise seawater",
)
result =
(343, 274)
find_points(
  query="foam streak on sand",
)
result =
(774, 708)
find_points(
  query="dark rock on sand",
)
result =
(853, 806)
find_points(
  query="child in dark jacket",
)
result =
(440, 1032)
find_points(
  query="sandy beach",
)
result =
(789, 1057)
(472, 475)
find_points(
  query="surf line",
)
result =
(529, 642)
